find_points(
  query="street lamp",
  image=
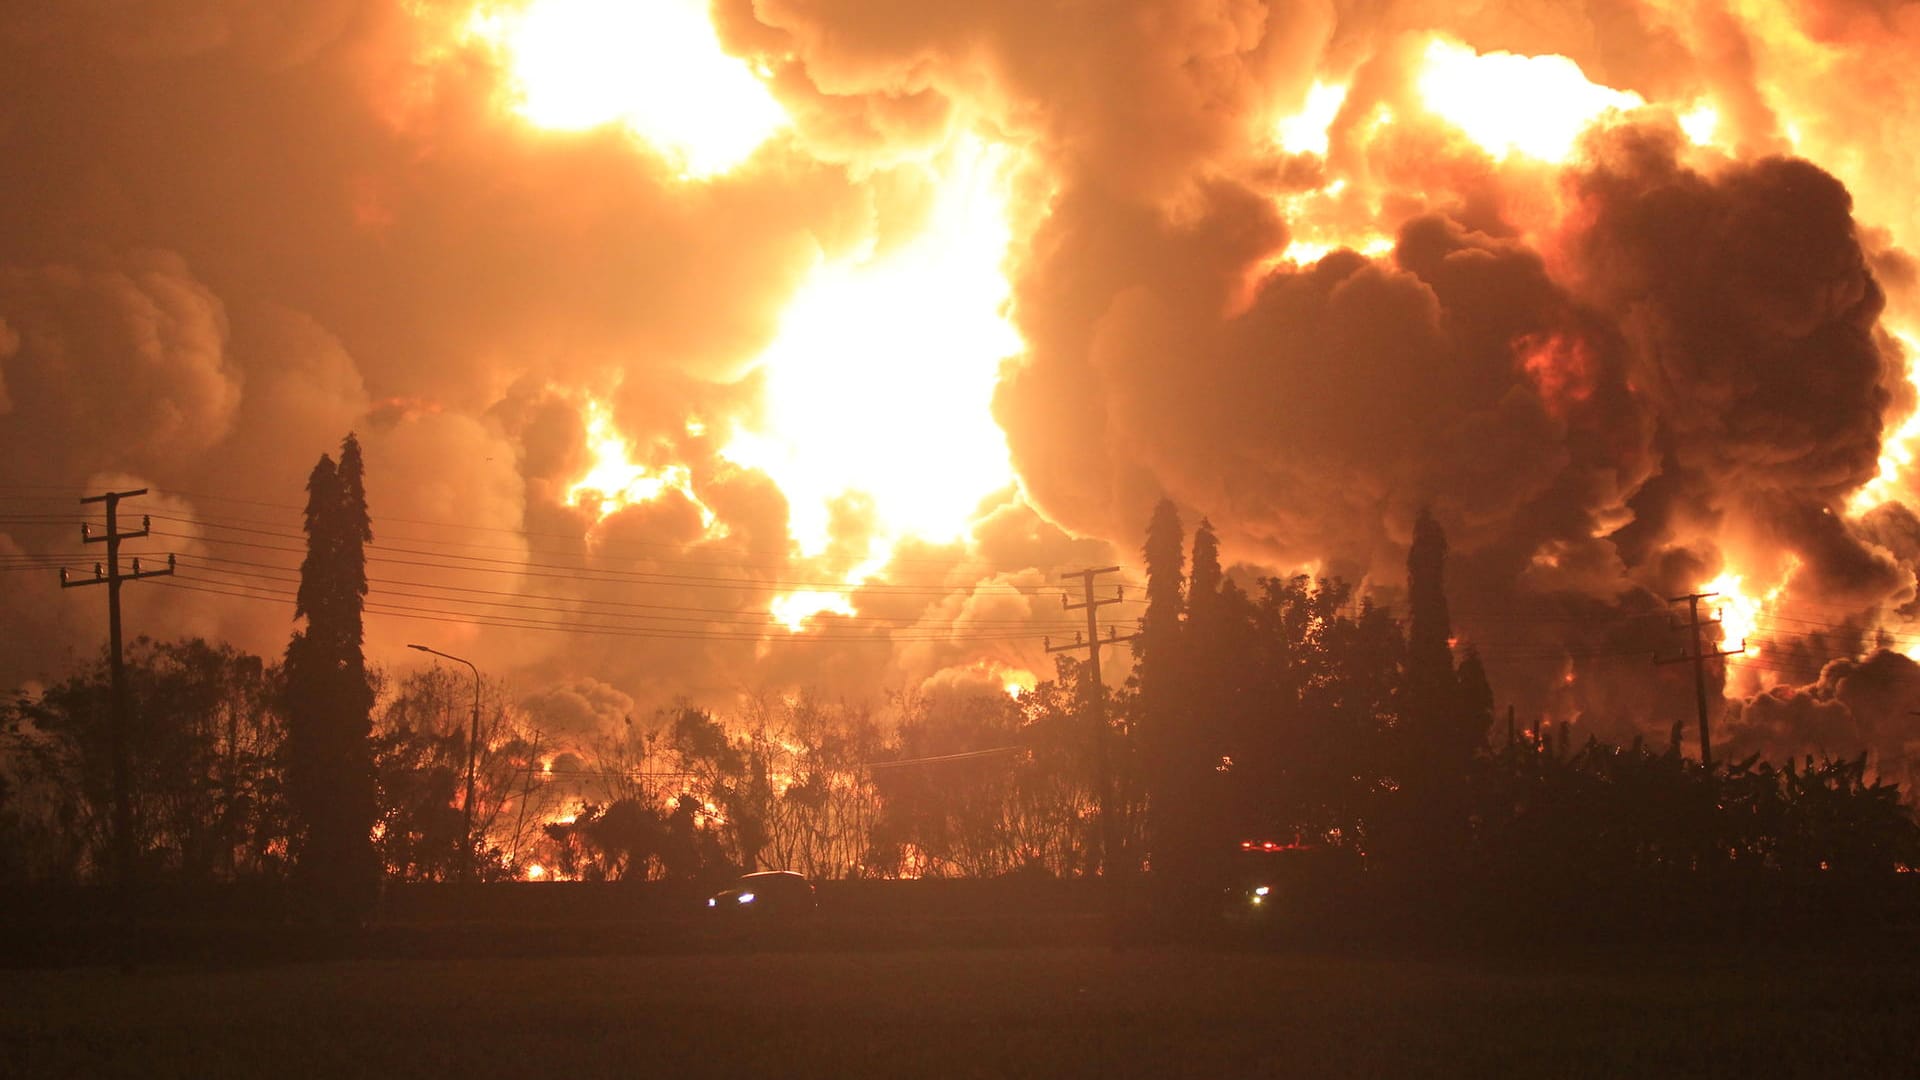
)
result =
(473, 743)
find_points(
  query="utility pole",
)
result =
(1698, 655)
(120, 719)
(1102, 755)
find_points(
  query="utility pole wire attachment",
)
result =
(1103, 762)
(110, 576)
(1698, 657)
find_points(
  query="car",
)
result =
(1287, 884)
(766, 894)
(1261, 874)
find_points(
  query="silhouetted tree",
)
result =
(946, 814)
(1217, 646)
(721, 773)
(822, 823)
(624, 840)
(1308, 760)
(1473, 701)
(420, 758)
(1432, 688)
(329, 754)
(205, 778)
(1164, 680)
(1424, 827)
(1204, 584)
(12, 845)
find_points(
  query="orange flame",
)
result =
(1897, 449)
(614, 480)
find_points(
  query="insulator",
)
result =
(136, 567)
(169, 562)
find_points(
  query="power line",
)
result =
(289, 575)
(289, 531)
(585, 573)
(876, 637)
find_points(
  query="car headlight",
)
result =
(1262, 891)
(745, 898)
(711, 902)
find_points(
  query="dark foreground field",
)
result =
(985, 1011)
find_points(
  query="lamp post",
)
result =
(473, 744)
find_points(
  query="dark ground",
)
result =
(927, 983)
(967, 1012)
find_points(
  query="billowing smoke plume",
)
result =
(1650, 359)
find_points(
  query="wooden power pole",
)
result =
(1102, 754)
(109, 574)
(1698, 656)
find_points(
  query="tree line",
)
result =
(1260, 710)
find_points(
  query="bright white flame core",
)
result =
(1306, 131)
(795, 608)
(1700, 123)
(653, 65)
(881, 378)
(1740, 613)
(1017, 681)
(1531, 105)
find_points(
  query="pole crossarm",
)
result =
(1698, 655)
(1091, 641)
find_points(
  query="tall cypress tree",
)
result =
(1206, 648)
(329, 752)
(1162, 671)
(1158, 646)
(1217, 661)
(1431, 683)
(1474, 715)
(1445, 717)
(1203, 590)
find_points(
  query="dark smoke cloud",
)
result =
(1854, 706)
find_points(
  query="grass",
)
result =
(1032, 1011)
